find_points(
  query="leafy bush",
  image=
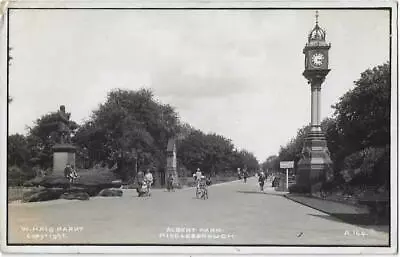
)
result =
(299, 189)
(368, 166)
(16, 176)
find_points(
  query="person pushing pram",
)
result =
(70, 173)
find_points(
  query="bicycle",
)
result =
(201, 191)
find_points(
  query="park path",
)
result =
(235, 213)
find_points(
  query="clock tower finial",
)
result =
(317, 35)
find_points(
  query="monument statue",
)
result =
(63, 126)
(63, 151)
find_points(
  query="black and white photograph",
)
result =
(245, 130)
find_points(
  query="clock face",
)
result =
(317, 59)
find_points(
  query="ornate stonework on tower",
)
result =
(171, 161)
(315, 165)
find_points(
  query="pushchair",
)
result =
(143, 189)
(275, 182)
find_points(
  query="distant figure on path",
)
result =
(73, 175)
(197, 175)
(245, 175)
(70, 173)
(275, 181)
(239, 174)
(170, 183)
(208, 181)
(261, 180)
(67, 171)
(140, 178)
(148, 178)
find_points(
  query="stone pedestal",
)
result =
(315, 167)
(63, 154)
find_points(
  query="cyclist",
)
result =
(148, 178)
(197, 175)
(261, 180)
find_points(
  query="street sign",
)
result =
(287, 165)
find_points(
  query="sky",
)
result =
(237, 73)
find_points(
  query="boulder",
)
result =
(110, 192)
(75, 195)
(52, 181)
(130, 186)
(33, 182)
(92, 181)
(95, 180)
(42, 194)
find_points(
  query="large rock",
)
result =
(96, 180)
(42, 194)
(92, 181)
(75, 195)
(33, 182)
(110, 192)
(52, 181)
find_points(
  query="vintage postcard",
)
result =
(199, 128)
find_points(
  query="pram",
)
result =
(143, 189)
(72, 176)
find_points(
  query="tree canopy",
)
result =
(130, 129)
(358, 134)
(363, 113)
(213, 153)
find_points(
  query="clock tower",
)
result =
(314, 167)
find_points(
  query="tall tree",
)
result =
(363, 113)
(43, 136)
(17, 150)
(130, 129)
(363, 126)
(271, 163)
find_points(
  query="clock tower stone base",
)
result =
(315, 166)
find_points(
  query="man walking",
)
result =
(170, 183)
(261, 180)
(67, 171)
(239, 174)
(245, 175)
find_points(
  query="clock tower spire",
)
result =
(314, 168)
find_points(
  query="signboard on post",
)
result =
(287, 165)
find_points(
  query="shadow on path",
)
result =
(262, 193)
(363, 220)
